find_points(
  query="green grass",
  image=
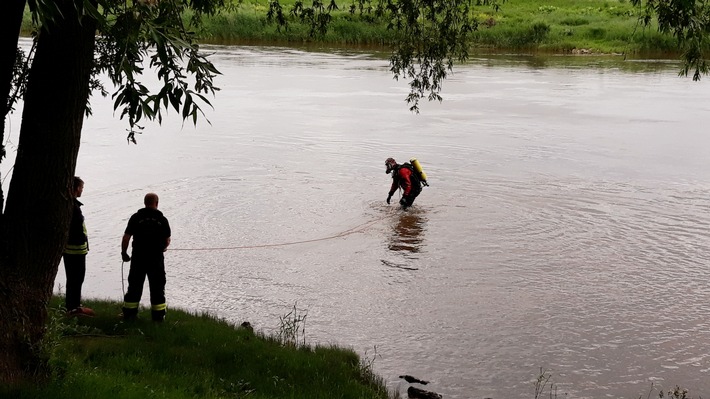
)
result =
(190, 356)
(553, 26)
(248, 23)
(557, 26)
(606, 26)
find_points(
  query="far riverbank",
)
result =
(577, 27)
(556, 27)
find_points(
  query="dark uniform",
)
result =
(75, 257)
(150, 231)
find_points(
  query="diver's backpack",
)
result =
(414, 177)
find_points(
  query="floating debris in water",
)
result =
(413, 380)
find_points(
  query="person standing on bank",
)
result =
(403, 176)
(151, 237)
(74, 255)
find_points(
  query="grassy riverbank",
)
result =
(199, 356)
(549, 26)
(558, 26)
(190, 356)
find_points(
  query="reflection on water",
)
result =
(407, 236)
(592, 63)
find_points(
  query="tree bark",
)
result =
(39, 203)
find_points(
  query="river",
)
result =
(566, 226)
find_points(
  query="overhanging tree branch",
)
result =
(689, 23)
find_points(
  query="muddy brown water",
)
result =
(566, 225)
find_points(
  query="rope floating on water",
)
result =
(356, 229)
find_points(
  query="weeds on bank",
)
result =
(190, 356)
(377, 383)
(544, 383)
(292, 327)
(367, 362)
(675, 393)
(292, 333)
(545, 387)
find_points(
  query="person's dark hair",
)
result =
(151, 199)
(77, 182)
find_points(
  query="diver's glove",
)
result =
(403, 201)
(389, 197)
(125, 257)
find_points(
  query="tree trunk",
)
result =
(39, 203)
(10, 23)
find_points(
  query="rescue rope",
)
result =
(356, 229)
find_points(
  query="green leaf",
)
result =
(186, 106)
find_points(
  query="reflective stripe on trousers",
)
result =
(77, 249)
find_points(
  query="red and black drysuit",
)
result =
(404, 176)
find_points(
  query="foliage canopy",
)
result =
(135, 35)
